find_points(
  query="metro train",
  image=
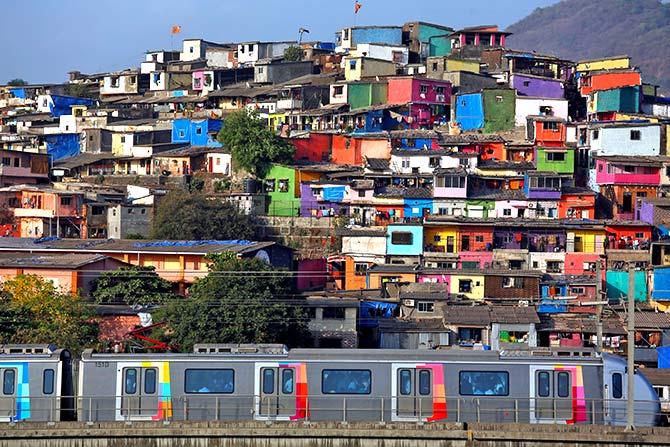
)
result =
(272, 383)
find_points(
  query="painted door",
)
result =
(552, 399)
(278, 391)
(8, 393)
(414, 397)
(139, 394)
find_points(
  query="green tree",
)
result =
(80, 91)
(239, 301)
(293, 54)
(252, 145)
(184, 215)
(42, 314)
(17, 82)
(132, 285)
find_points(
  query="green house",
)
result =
(555, 159)
(366, 94)
(479, 208)
(617, 286)
(499, 109)
(282, 186)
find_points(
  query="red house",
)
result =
(607, 80)
(313, 147)
(547, 130)
(577, 203)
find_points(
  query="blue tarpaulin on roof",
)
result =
(191, 243)
(18, 92)
(333, 193)
(62, 105)
(663, 356)
(371, 311)
(62, 145)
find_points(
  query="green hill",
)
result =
(584, 29)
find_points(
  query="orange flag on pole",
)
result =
(357, 6)
(176, 29)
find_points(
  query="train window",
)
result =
(287, 381)
(8, 380)
(543, 388)
(617, 385)
(131, 381)
(268, 381)
(405, 382)
(346, 381)
(483, 383)
(209, 381)
(150, 381)
(563, 384)
(424, 382)
(48, 381)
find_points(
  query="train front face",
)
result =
(615, 395)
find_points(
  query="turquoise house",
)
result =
(404, 240)
(617, 286)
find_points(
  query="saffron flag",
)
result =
(357, 6)
(176, 29)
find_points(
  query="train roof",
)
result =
(396, 355)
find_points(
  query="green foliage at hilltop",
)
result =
(192, 216)
(239, 301)
(293, 54)
(585, 29)
(18, 82)
(253, 146)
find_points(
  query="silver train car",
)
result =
(36, 384)
(270, 383)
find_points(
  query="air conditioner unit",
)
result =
(408, 303)
(524, 303)
(532, 205)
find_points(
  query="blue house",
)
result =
(62, 145)
(550, 301)
(415, 207)
(661, 291)
(469, 111)
(388, 35)
(196, 132)
(404, 240)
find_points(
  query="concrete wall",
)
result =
(526, 106)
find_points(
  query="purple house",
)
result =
(320, 199)
(535, 240)
(545, 185)
(537, 86)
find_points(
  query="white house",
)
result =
(391, 53)
(530, 106)
(625, 139)
(421, 161)
(121, 83)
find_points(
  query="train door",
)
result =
(277, 392)
(8, 393)
(412, 393)
(551, 396)
(139, 393)
(615, 395)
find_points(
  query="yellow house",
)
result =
(379, 275)
(586, 241)
(471, 286)
(607, 63)
(440, 239)
(461, 65)
(357, 68)
(275, 119)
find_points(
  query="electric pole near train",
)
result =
(630, 370)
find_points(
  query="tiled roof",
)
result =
(364, 232)
(465, 139)
(497, 194)
(652, 320)
(377, 164)
(64, 261)
(514, 315)
(579, 323)
(406, 193)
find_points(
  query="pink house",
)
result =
(450, 183)
(467, 259)
(623, 170)
(428, 100)
(434, 278)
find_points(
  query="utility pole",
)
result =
(630, 370)
(599, 307)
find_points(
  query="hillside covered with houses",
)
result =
(445, 190)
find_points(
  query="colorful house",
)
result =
(314, 147)
(555, 159)
(196, 132)
(282, 185)
(546, 130)
(492, 110)
(426, 39)
(354, 149)
(537, 86)
(478, 36)
(428, 100)
(544, 185)
(357, 68)
(617, 285)
(625, 170)
(576, 203)
(625, 138)
(607, 80)
(625, 99)
(404, 240)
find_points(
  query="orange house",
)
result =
(549, 131)
(70, 273)
(351, 149)
(607, 80)
(379, 275)
(577, 203)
